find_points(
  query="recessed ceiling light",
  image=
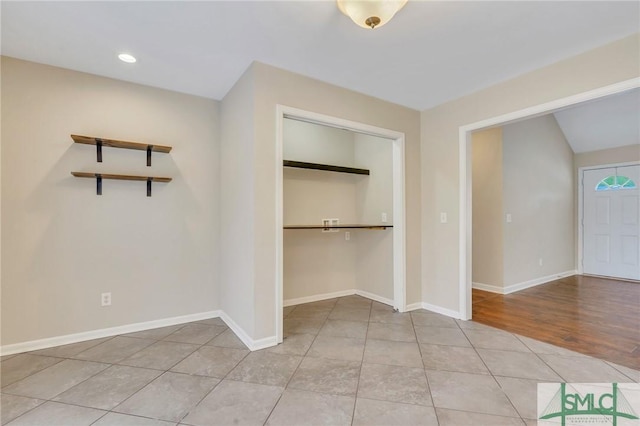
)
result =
(125, 57)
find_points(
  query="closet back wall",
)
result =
(62, 244)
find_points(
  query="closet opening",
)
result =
(340, 211)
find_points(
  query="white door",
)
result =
(611, 217)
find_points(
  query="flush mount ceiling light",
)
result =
(370, 13)
(125, 57)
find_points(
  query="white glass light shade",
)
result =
(365, 12)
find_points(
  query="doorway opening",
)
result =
(396, 139)
(465, 162)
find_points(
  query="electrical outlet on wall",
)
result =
(347, 236)
(384, 218)
(105, 299)
(329, 223)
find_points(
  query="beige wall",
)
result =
(621, 154)
(314, 143)
(488, 228)
(538, 184)
(275, 86)
(609, 64)
(63, 245)
(374, 196)
(237, 215)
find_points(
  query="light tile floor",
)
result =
(343, 361)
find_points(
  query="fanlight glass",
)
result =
(613, 183)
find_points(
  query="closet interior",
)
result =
(337, 213)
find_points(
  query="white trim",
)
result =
(374, 297)
(399, 231)
(279, 293)
(49, 342)
(335, 294)
(252, 344)
(525, 284)
(318, 297)
(538, 281)
(488, 287)
(441, 310)
(580, 224)
(465, 231)
(399, 218)
(414, 306)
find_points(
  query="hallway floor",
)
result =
(595, 316)
(343, 361)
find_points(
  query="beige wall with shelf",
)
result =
(63, 245)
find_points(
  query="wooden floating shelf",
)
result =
(326, 167)
(100, 142)
(353, 226)
(121, 177)
(99, 176)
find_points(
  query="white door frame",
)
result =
(465, 219)
(399, 230)
(580, 185)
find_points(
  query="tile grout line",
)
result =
(301, 358)
(424, 370)
(364, 348)
(491, 373)
(219, 380)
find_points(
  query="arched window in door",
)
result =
(614, 183)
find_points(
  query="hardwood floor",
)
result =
(594, 316)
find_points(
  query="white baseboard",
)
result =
(239, 331)
(526, 284)
(49, 342)
(363, 293)
(414, 307)
(318, 297)
(374, 297)
(542, 280)
(441, 310)
(335, 294)
(34, 345)
(488, 287)
(252, 344)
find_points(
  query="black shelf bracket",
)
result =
(99, 149)
(149, 149)
(149, 180)
(98, 184)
